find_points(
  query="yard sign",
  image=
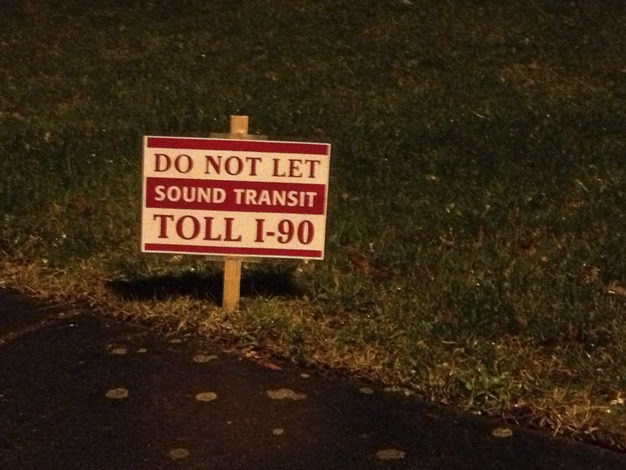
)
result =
(234, 197)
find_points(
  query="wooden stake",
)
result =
(232, 265)
(239, 127)
(232, 284)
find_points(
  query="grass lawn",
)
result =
(475, 249)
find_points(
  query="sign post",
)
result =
(232, 265)
(234, 197)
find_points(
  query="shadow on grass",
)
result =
(206, 286)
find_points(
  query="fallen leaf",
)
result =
(203, 358)
(178, 453)
(366, 390)
(81, 206)
(589, 274)
(502, 432)
(119, 351)
(362, 263)
(285, 394)
(117, 393)
(206, 396)
(55, 208)
(390, 454)
(262, 361)
(268, 364)
(278, 431)
(615, 289)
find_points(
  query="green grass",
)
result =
(475, 244)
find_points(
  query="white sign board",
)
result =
(251, 198)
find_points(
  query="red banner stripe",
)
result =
(235, 196)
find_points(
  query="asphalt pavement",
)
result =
(80, 390)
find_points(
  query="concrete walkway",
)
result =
(78, 390)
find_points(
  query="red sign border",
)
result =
(240, 145)
(237, 145)
(230, 250)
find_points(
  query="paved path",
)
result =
(78, 390)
